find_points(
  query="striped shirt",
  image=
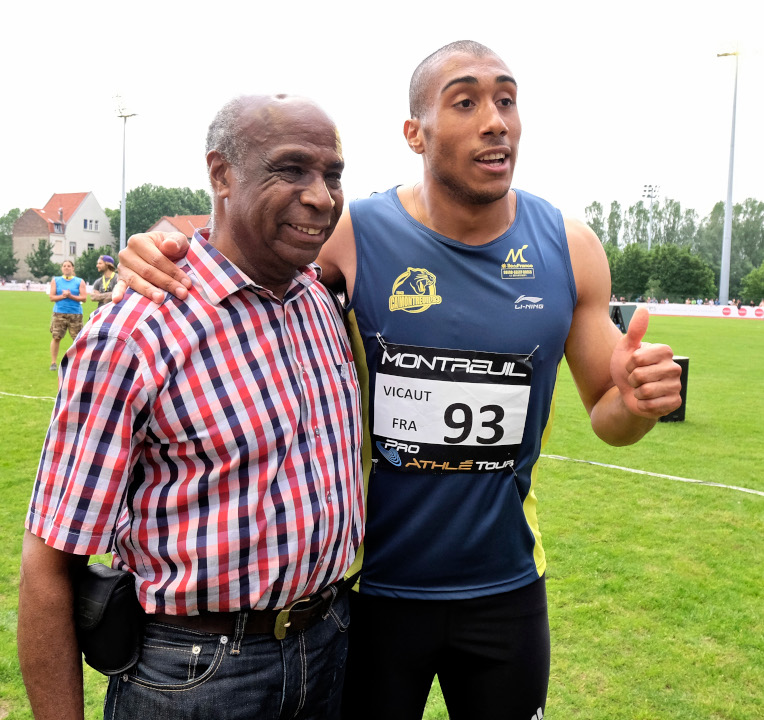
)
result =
(212, 444)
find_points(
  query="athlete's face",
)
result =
(470, 133)
(67, 268)
(100, 265)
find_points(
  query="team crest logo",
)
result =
(516, 267)
(414, 291)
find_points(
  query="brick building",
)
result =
(73, 222)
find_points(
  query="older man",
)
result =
(212, 445)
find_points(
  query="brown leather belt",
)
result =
(299, 615)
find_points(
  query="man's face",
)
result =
(286, 198)
(471, 129)
(67, 268)
(100, 265)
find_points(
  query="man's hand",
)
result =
(645, 374)
(147, 264)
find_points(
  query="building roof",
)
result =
(185, 224)
(61, 205)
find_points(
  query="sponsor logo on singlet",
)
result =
(414, 291)
(529, 302)
(516, 267)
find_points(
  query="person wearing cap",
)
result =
(103, 286)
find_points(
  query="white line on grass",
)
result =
(28, 397)
(660, 475)
(551, 457)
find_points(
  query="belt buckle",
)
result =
(282, 619)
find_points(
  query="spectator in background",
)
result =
(68, 293)
(103, 286)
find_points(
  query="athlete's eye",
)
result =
(464, 103)
(506, 102)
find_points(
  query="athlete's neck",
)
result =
(461, 220)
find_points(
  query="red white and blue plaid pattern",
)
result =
(213, 444)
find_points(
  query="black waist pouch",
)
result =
(108, 618)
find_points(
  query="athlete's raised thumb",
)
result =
(637, 328)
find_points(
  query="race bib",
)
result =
(440, 411)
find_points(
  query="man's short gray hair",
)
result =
(420, 80)
(225, 136)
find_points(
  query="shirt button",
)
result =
(316, 431)
(329, 497)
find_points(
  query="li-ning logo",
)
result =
(516, 267)
(538, 715)
(528, 302)
(391, 454)
(414, 291)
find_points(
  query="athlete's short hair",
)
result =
(420, 80)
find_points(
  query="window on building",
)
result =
(91, 246)
(95, 225)
(84, 224)
(72, 248)
(90, 224)
(58, 227)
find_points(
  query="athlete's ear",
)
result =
(412, 129)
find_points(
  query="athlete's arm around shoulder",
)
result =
(337, 258)
(624, 383)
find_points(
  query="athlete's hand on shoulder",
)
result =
(148, 264)
(645, 373)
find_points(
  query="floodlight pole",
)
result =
(724, 273)
(122, 211)
(651, 192)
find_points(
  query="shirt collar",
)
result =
(218, 277)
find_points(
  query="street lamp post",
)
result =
(724, 273)
(651, 192)
(121, 112)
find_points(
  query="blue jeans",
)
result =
(189, 674)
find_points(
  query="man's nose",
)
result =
(317, 194)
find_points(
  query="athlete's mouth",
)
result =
(493, 159)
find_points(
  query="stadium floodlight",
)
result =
(651, 192)
(124, 114)
(724, 273)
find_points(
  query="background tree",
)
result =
(753, 286)
(86, 263)
(678, 274)
(39, 260)
(688, 228)
(635, 224)
(6, 227)
(596, 221)
(8, 262)
(148, 203)
(631, 272)
(614, 224)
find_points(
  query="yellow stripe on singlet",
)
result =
(359, 356)
(531, 501)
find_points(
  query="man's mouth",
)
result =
(307, 230)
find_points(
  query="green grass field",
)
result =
(656, 587)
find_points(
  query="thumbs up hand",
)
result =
(645, 374)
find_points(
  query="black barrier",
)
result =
(678, 414)
(621, 314)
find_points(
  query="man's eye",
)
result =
(506, 102)
(334, 179)
(291, 170)
(464, 103)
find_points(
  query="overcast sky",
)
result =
(612, 95)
